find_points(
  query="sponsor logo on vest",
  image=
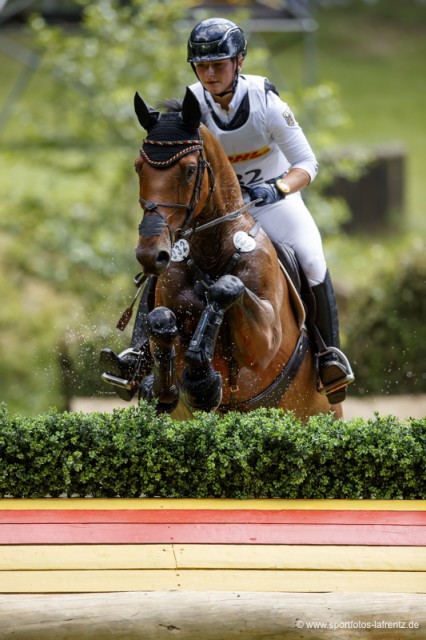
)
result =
(249, 155)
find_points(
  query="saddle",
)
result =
(302, 298)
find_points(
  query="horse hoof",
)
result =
(226, 291)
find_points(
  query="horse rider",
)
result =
(273, 161)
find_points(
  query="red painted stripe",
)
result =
(315, 534)
(236, 516)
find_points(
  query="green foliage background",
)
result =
(386, 328)
(68, 206)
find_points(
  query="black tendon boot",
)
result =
(334, 370)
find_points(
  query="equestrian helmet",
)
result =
(215, 39)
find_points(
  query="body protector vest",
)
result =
(254, 155)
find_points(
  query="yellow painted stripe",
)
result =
(260, 557)
(58, 557)
(299, 557)
(201, 580)
(220, 504)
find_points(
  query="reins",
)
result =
(229, 216)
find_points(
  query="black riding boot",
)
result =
(334, 370)
(126, 370)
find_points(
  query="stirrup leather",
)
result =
(341, 362)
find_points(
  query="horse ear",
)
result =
(147, 116)
(191, 110)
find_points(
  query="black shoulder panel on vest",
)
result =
(270, 87)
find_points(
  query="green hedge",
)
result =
(268, 453)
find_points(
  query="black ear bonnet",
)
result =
(168, 140)
(171, 135)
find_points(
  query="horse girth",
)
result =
(269, 397)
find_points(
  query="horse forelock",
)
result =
(171, 105)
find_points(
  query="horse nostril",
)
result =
(163, 260)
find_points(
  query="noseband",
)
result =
(154, 224)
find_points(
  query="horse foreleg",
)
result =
(203, 385)
(337, 410)
(162, 383)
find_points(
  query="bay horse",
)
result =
(225, 331)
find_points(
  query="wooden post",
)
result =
(214, 616)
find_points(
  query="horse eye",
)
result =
(190, 172)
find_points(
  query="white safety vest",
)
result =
(253, 153)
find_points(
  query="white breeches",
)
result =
(289, 222)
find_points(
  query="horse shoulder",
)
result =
(257, 323)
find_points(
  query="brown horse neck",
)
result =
(226, 198)
(227, 195)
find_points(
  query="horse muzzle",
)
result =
(154, 247)
(154, 260)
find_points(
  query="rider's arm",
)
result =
(287, 133)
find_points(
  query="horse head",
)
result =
(173, 179)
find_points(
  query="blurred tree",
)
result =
(69, 221)
(118, 49)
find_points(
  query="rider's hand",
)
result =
(267, 191)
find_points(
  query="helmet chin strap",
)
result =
(225, 93)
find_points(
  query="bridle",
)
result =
(155, 223)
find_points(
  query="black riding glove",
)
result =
(267, 191)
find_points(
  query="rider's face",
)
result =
(217, 76)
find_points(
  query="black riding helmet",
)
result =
(216, 39)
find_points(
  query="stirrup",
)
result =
(127, 386)
(340, 362)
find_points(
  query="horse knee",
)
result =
(226, 291)
(162, 327)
